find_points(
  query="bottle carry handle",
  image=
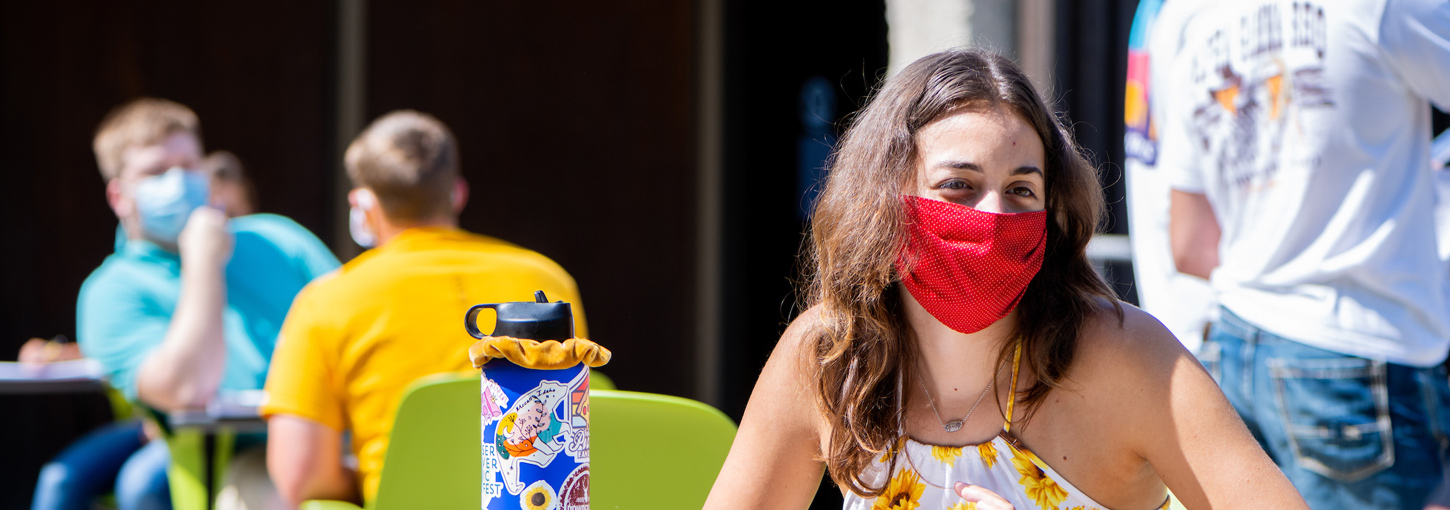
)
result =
(470, 321)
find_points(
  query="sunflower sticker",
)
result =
(539, 496)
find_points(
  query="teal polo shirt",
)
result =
(126, 304)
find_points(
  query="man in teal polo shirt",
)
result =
(190, 304)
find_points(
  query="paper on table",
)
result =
(79, 369)
(235, 404)
(1440, 151)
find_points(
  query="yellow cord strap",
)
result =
(1012, 388)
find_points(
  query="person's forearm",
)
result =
(1193, 233)
(186, 369)
(339, 484)
(305, 461)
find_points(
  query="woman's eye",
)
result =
(953, 185)
(1021, 191)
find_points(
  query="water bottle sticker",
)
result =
(492, 400)
(579, 401)
(539, 496)
(578, 446)
(529, 432)
(491, 488)
(574, 494)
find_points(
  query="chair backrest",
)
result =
(433, 451)
(654, 451)
(599, 381)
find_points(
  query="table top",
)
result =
(74, 376)
(232, 410)
(201, 419)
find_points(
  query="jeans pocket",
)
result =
(1210, 354)
(1336, 414)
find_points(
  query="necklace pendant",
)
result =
(953, 426)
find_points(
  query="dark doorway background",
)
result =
(772, 50)
(1089, 79)
(577, 140)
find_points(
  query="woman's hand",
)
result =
(984, 499)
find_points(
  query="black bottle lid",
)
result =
(534, 320)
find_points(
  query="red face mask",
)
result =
(969, 268)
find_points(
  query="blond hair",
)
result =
(410, 161)
(141, 122)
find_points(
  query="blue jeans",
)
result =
(1349, 432)
(116, 455)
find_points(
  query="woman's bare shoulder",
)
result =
(798, 342)
(790, 369)
(1133, 348)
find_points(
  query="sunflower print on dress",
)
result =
(946, 454)
(965, 505)
(902, 493)
(1043, 491)
(988, 453)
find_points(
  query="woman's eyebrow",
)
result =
(960, 165)
(1021, 170)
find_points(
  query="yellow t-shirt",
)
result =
(354, 340)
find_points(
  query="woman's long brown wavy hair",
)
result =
(861, 343)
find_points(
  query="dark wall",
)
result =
(1090, 71)
(258, 81)
(255, 72)
(576, 127)
(772, 51)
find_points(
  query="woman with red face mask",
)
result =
(957, 349)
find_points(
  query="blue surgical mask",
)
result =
(358, 220)
(164, 202)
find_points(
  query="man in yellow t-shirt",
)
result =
(354, 341)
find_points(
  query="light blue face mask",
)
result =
(164, 202)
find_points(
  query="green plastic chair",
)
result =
(187, 474)
(654, 451)
(599, 381)
(647, 451)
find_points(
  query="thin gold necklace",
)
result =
(955, 425)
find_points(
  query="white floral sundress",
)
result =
(925, 474)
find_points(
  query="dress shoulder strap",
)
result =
(1012, 387)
